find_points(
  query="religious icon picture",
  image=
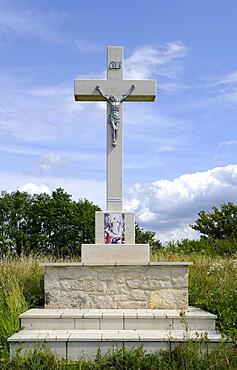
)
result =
(114, 228)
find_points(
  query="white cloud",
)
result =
(179, 233)
(148, 61)
(30, 22)
(228, 143)
(168, 207)
(173, 86)
(20, 21)
(34, 188)
(46, 113)
(227, 86)
(50, 160)
(230, 78)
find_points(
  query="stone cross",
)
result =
(115, 90)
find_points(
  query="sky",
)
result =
(179, 151)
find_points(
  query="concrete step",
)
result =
(75, 344)
(117, 319)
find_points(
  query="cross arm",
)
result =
(85, 90)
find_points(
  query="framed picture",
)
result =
(114, 228)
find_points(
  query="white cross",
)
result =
(117, 87)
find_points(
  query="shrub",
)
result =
(206, 246)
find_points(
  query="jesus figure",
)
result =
(114, 105)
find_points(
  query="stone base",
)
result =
(115, 253)
(117, 319)
(153, 285)
(74, 334)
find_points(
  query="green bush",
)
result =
(206, 246)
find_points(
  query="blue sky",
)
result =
(179, 152)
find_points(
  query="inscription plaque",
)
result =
(114, 65)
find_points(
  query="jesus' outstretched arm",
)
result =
(101, 92)
(128, 93)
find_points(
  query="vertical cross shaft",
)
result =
(115, 153)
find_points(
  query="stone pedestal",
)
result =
(108, 307)
(154, 285)
(121, 247)
(105, 254)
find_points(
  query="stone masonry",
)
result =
(156, 285)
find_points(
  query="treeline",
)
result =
(43, 224)
(55, 225)
(50, 225)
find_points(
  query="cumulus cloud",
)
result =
(168, 207)
(32, 188)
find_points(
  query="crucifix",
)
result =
(114, 108)
(115, 90)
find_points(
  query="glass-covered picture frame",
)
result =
(114, 228)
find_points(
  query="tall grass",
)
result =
(212, 286)
(190, 356)
(21, 287)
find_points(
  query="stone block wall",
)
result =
(163, 285)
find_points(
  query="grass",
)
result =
(21, 287)
(191, 356)
(212, 286)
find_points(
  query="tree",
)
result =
(14, 218)
(59, 225)
(219, 224)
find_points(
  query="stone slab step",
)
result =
(76, 344)
(117, 319)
